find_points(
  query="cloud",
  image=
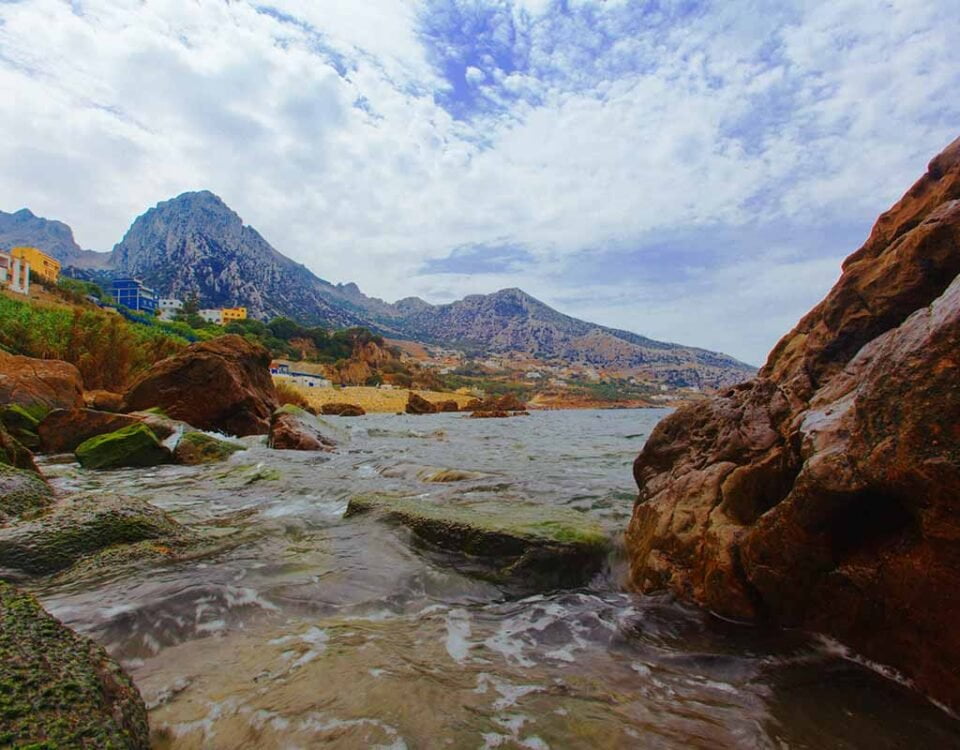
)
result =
(643, 162)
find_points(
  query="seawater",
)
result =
(315, 630)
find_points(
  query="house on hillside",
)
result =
(132, 294)
(41, 264)
(14, 273)
(212, 315)
(169, 307)
(233, 313)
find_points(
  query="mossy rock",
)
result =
(21, 424)
(82, 526)
(59, 689)
(22, 493)
(525, 545)
(196, 448)
(135, 445)
(12, 453)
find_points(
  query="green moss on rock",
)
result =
(521, 544)
(135, 445)
(59, 689)
(196, 448)
(12, 453)
(21, 493)
(21, 424)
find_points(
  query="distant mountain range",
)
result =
(196, 244)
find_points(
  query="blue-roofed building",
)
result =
(132, 294)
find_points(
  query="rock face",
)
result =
(54, 237)
(222, 385)
(39, 382)
(135, 445)
(825, 493)
(62, 430)
(295, 429)
(61, 689)
(417, 404)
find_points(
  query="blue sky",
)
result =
(688, 170)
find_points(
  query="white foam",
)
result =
(458, 635)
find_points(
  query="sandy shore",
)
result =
(374, 399)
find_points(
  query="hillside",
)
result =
(24, 228)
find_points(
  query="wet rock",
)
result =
(342, 410)
(62, 430)
(196, 448)
(39, 382)
(295, 429)
(417, 404)
(497, 414)
(222, 385)
(135, 445)
(21, 493)
(103, 400)
(21, 424)
(506, 403)
(448, 475)
(449, 405)
(12, 453)
(823, 493)
(81, 526)
(59, 689)
(520, 545)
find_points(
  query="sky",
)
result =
(691, 171)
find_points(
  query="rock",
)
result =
(60, 689)
(498, 414)
(507, 402)
(135, 445)
(14, 454)
(823, 494)
(417, 404)
(62, 430)
(21, 493)
(450, 405)
(103, 400)
(196, 448)
(342, 410)
(21, 424)
(39, 382)
(221, 385)
(78, 527)
(295, 429)
(522, 545)
(161, 425)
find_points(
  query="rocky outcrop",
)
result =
(62, 430)
(417, 404)
(295, 429)
(342, 410)
(60, 689)
(39, 382)
(196, 448)
(824, 493)
(222, 385)
(22, 493)
(103, 400)
(506, 402)
(449, 405)
(135, 445)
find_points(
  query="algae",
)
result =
(21, 424)
(135, 445)
(21, 493)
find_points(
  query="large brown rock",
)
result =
(825, 493)
(295, 429)
(506, 402)
(62, 430)
(337, 409)
(44, 382)
(222, 385)
(417, 404)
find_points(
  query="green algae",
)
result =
(59, 689)
(21, 424)
(196, 448)
(22, 493)
(135, 445)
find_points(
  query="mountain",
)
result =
(196, 244)
(54, 237)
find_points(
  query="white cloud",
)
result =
(323, 125)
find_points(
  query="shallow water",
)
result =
(314, 629)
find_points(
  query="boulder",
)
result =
(450, 405)
(342, 410)
(12, 453)
(823, 494)
(223, 385)
(60, 689)
(196, 448)
(498, 414)
(21, 424)
(103, 400)
(39, 382)
(295, 429)
(135, 445)
(62, 430)
(78, 527)
(506, 403)
(22, 493)
(417, 404)
(521, 545)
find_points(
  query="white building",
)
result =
(212, 316)
(15, 273)
(169, 307)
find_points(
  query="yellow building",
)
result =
(233, 313)
(40, 263)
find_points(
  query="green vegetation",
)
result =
(135, 445)
(288, 339)
(21, 493)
